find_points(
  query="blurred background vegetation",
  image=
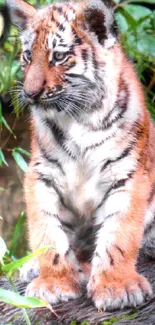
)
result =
(136, 20)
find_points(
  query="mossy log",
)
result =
(81, 310)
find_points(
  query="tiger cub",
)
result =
(90, 185)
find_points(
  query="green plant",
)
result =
(137, 26)
(9, 264)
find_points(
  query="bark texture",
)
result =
(81, 310)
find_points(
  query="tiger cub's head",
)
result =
(64, 46)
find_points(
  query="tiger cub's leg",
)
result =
(30, 270)
(114, 282)
(60, 275)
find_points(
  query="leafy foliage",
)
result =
(137, 26)
(9, 264)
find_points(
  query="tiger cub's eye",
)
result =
(59, 56)
(27, 56)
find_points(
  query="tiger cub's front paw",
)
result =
(30, 270)
(55, 289)
(118, 291)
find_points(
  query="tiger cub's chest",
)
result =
(82, 187)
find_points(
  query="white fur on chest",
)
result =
(82, 187)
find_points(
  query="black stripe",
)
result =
(108, 217)
(84, 54)
(96, 19)
(50, 183)
(114, 29)
(60, 38)
(77, 39)
(51, 160)
(137, 135)
(114, 186)
(124, 154)
(138, 130)
(93, 146)
(120, 106)
(82, 77)
(120, 250)
(66, 224)
(64, 45)
(95, 65)
(68, 251)
(120, 183)
(45, 179)
(150, 226)
(59, 9)
(119, 116)
(61, 28)
(57, 132)
(56, 259)
(65, 16)
(59, 136)
(37, 164)
(110, 257)
(54, 42)
(96, 254)
(152, 193)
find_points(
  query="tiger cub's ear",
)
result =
(99, 18)
(20, 12)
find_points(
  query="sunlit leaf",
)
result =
(16, 300)
(137, 11)
(11, 267)
(141, 1)
(19, 160)
(16, 233)
(2, 158)
(23, 151)
(3, 120)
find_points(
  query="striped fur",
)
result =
(90, 185)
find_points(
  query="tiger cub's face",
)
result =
(62, 46)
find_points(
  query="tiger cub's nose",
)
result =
(34, 91)
(33, 94)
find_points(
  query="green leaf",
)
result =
(16, 300)
(2, 158)
(7, 126)
(146, 45)
(141, 1)
(3, 249)
(136, 11)
(16, 233)
(121, 21)
(128, 17)
(19, 160)
(23, 151)
(13, 266)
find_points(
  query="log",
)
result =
(81, 310)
